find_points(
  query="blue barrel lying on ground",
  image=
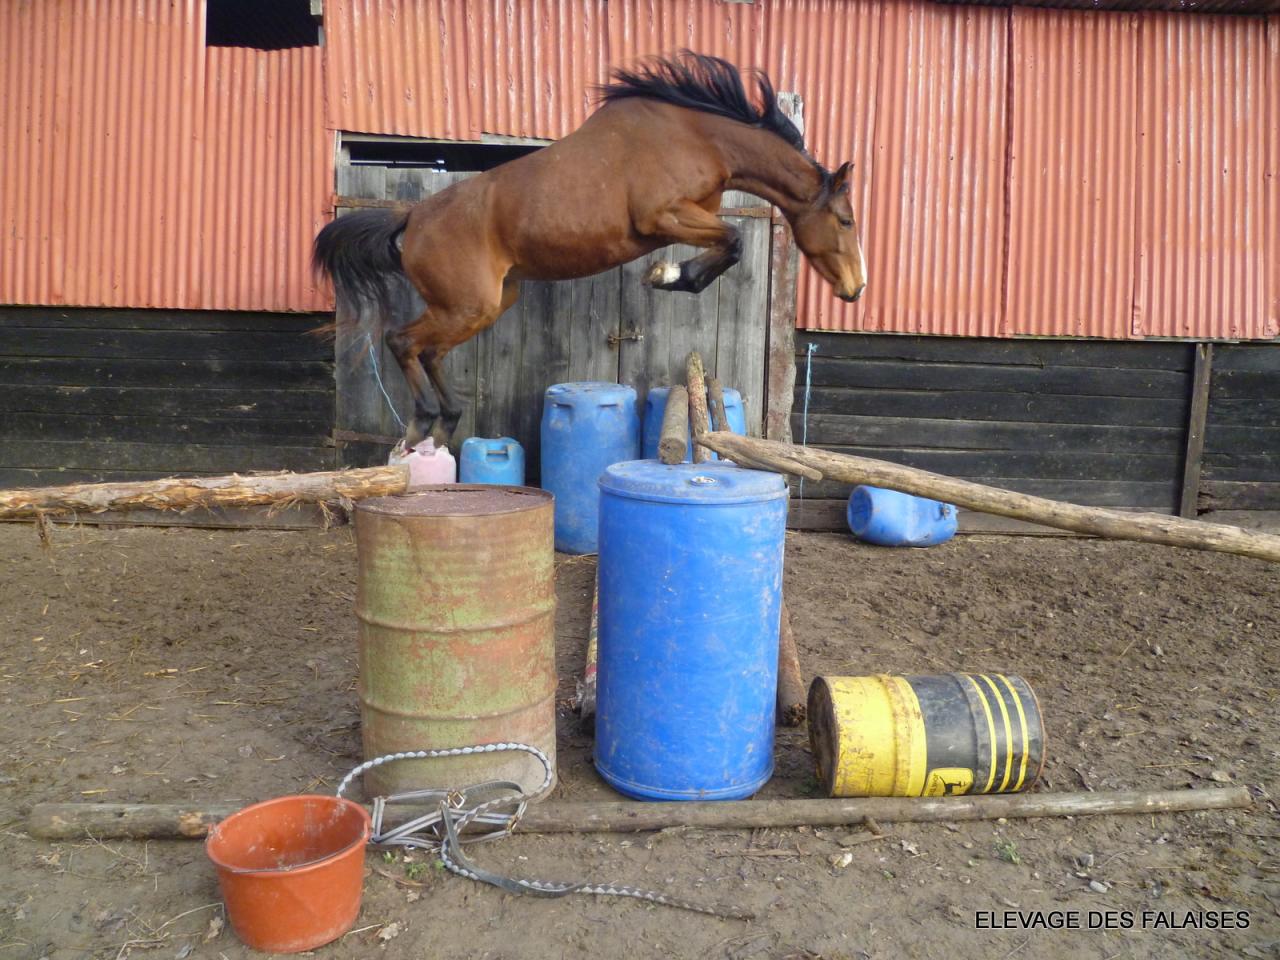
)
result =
(655, 404)
(499, 461)
(586, 426)
(894, 519)
(690, 593)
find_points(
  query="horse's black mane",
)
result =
(708, 84)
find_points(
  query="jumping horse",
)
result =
(646, 170)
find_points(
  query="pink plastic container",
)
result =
(427, 465)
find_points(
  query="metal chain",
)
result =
(440, 830)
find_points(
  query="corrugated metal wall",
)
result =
(141, 169)
(1072, 175)
(1017, 171)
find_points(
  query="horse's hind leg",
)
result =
(426, 411)
(689, 223)
(442, 330)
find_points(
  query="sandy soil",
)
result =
(188, 665)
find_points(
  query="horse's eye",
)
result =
(846, 224)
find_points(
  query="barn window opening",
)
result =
(446, 157)
(276, 25)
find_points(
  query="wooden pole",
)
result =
(792, 694)
(699, 421)
(673, 442)
(113, 821)
(283, 489)
(1147, 527)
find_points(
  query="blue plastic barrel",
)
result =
(586, 427)
(690, 592)
(655, 405)
(491, 461)
(893, 519)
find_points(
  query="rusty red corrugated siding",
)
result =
(829, 51)
(398, 67)
(1072, 173)
(534, 64)
(268, 170)
(1272, 85)
(641, 28)
(452, 70)
(144, 170)
(934, 229)
(1203, 264)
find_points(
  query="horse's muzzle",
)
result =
(851, 297)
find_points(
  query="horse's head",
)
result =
(828, 237)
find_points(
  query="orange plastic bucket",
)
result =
(291, 870)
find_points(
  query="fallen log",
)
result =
(699, 420)
(1147, 527)
(139, 821)
(279, 489)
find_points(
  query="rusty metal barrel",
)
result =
(455, 595)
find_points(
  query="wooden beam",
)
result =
(1147, 527)
(1196, 420)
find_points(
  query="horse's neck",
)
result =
(764, 164)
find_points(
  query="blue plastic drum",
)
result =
(894, 519)
(585, 427)
(498, 461)
(655, 405)
(690, 593)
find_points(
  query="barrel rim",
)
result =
(608, 483)
(381, 506)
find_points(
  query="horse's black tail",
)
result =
(360, 253)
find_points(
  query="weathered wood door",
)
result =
(607, 327)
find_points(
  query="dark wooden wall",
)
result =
(89, 395)
(607, 327)
(1092, 422)
(1241, 467)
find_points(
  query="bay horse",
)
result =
(644, 171)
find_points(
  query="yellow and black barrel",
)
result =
(925, 736)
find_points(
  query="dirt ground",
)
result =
(190, 665)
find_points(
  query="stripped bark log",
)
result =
(673, 442)
(1147, 527)
(792, 694)
(699, 421)
(715, 405)
(279, 489)
(113, 821)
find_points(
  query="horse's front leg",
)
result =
(691, 224)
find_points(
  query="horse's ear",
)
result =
(840, 179)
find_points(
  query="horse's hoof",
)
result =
(663, 274)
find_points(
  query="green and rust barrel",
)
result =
(931, 736)
(455, 595)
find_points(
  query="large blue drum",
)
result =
(586, 426)
(690, 593)
(655, 405)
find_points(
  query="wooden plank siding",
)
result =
(1241, 469)
(93, 395)
(607, 327)
(1093, 422)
